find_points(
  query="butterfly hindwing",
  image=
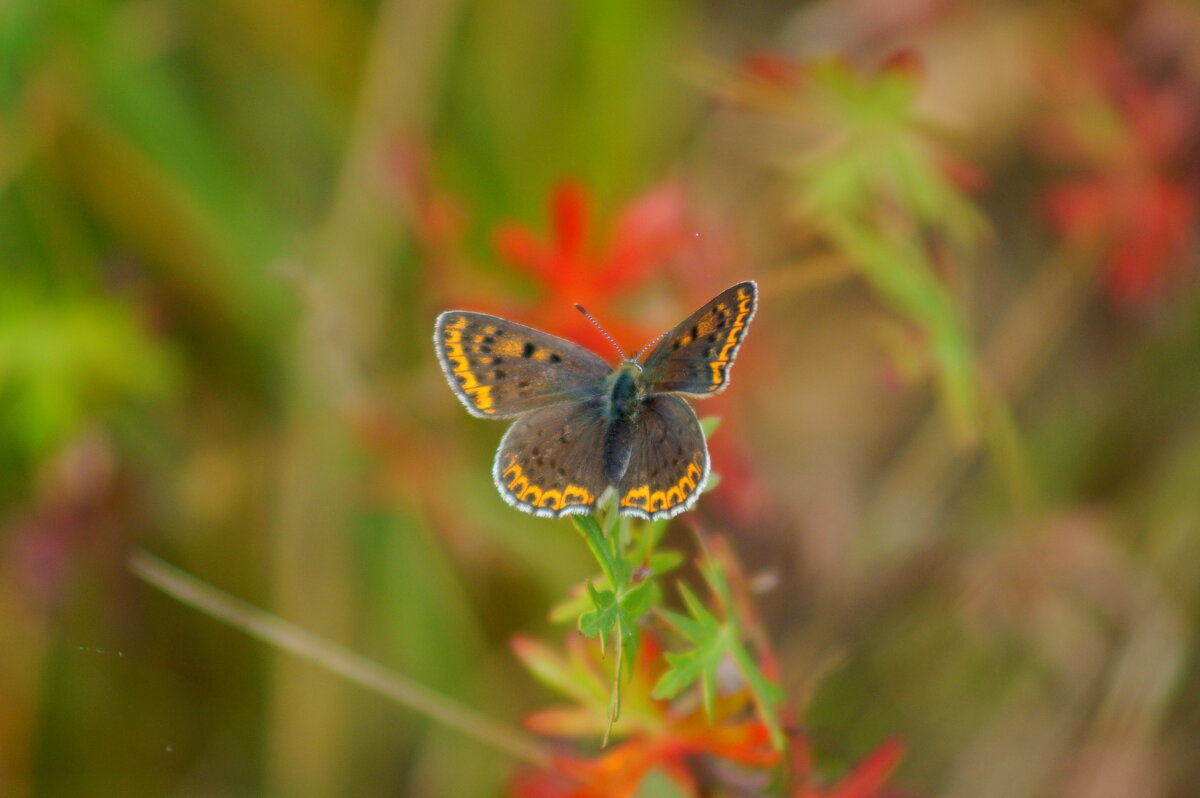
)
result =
(550, 462)
(668, 465)
(498, 368)
(695, 357)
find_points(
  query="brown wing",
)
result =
(550, 462)
(498, 368)
(669, 462)
(695, 357)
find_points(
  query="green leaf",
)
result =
(627, 589)
(710, 642)
(664, 561)
(904, 277)
(577, 603)
(567, 675)
(637, 601)
(602, 619)
(707, 638)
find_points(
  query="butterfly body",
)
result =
(625, 392)
(584, 427)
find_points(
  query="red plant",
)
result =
(567, 270)
(1135, 198)
(662, 737)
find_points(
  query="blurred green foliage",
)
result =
(64, 364)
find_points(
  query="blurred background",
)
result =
(963, 436)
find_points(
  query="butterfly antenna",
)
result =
(603, 331)
(647, 346)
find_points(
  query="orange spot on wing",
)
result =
(526, 492)
(718, 375)
(652, 501)
(732, 339)
(509, 347)
(460, 365)
(531, 495)
(482, 397)
(518, 477)
(575, 494)
(637, 497)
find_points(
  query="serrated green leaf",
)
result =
(705, 618)
(602, 619)
(711, 640)
(683, 672)
(570, 608)
(708, 640)
(687, 627)
(566, 675)
(636, 601)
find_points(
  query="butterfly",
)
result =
(584, 427)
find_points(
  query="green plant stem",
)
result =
(356, 668)
(614, 707)
(905, 279)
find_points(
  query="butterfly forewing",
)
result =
(550, 462)
(499, 368)
(695, 357)
(669, 462)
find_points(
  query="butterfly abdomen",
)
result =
(618, 448)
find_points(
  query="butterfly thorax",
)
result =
(624, 392)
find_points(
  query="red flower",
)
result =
(663, 737)
(645, 236)
(1133, 201)
(620, 772)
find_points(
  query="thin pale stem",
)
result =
(614, 706)
(282, 634)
